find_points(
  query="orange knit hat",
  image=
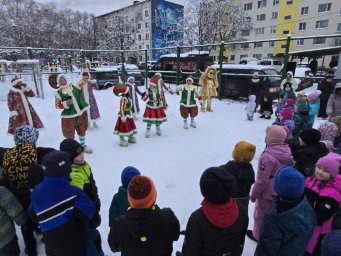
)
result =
(244, 152)
(141, 192)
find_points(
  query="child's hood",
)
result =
(252, 98)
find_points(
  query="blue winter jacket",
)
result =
(314, 109)
(288, 232)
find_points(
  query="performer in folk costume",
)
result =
(154, 112)
(21, 110)
(209, 85)
(88, 87)
(188, 105)
(133, 91)
(125, 125)
(160, 87)
(69, 98)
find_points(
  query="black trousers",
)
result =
(11, 249)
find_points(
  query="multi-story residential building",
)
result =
(278, 18)
(148, 24)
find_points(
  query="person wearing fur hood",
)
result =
(290, 79)
(334, 102)
(21, 110)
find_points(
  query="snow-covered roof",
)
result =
(186, 54)
(242, 66)
(104, 69)
(27, 61)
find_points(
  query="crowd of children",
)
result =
(297, 202)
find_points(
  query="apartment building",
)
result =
(278, 18)
(150, 23)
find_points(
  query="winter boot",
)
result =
(123, 142)
(193, 124)
(147, 134)
(131, 139)
(202, 109)
(185, 126)
(88, 150)
(95, 125)
(158, 131)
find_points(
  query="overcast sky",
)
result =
(97, 7)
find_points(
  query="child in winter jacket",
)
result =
(286, 119)
(323, 191)
(275, 155)
(82, 177)
(250, 107)
(62, 210)
(334, 102)
(218, 227)
(266, 107)
(119, 204)
(242, 170)
(289, 103)
(10, 211)
(314, 106)
(337, 141)
(288, 226)
(328, 132)
(145, 230)
(309, 151)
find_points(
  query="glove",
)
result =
(201, 102)
(252, 199)
(123, 119)
(69, 102)
(170, 90)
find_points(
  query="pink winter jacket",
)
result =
(273, 158)
(330, 190)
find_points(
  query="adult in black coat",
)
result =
(255, 87)
(145, 230)
(266, 109)
(309, 151)
(219, 226)
(326, 87)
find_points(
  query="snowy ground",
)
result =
(175, 160)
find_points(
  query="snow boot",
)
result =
(158, 131)
(88, 150)
(131, 139)
(193, 124)
(123, 143)
(147, 134)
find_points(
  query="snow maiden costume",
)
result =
(21, 110)
(154, 112)
(161, 86)
(133, 91)
(88, 93)
(69, 98)
(125, 125)
(188, 105)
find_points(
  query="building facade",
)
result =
(278, 18)
(147, 24)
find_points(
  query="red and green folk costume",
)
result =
(125, 125)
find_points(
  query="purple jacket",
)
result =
(325, 201)
(334, 103)
(273, 158)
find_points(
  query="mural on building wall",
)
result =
(166, 31)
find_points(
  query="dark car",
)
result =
(236, 80)
(130, 70)
(106, 77)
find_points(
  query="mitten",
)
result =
(123, 119)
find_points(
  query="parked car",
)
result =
(236, 80)
(271, 62)
(106, 77)
(130, 70)
(249, 61)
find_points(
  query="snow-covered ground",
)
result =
(174, 161)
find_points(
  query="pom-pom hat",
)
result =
(244, 152)
(120, 89)
(141, 192)
(53, 82)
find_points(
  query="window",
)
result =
(146, 14)
(319, 40)
(300, 42)
(232, 57)
(285, 32)
(304, 10)
(140, 47)
(245, 32)
(302, 26)
(257, 44)
(140, 58)
(283, 46)
(274, 15)
(270, 55)
(321, 24)
(337, 42)
(243, 56)
(147, 46)
(146, 25)
(289, 2)
(259, 31)
(273, 30)
(147, 36)
(139, 26)
(245, 45)
(275, 2)
(262, 3)
(271, 44)
(258, 56)
(287, 17)
(247, 6)
(139, 37)
(260, 17)
(324, 7)
(338, 28)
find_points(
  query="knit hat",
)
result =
(302, 104)
(289, 183)
(331, 163)
(141, 192)
(315, 95)
(217, 185)
(86, 74)
(56, 164)
(286, 113)
(152, 81)
(127, 174)
(71, 146)
(310, 136)
(244, 152)
(25, 135)
(41, 152)
(120, 89)
(275, 134)
(290, 102)
(53, 82)
(331, 244)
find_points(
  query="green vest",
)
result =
(154, 99)
(129, 104)
(187, 96)
(79, 103)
